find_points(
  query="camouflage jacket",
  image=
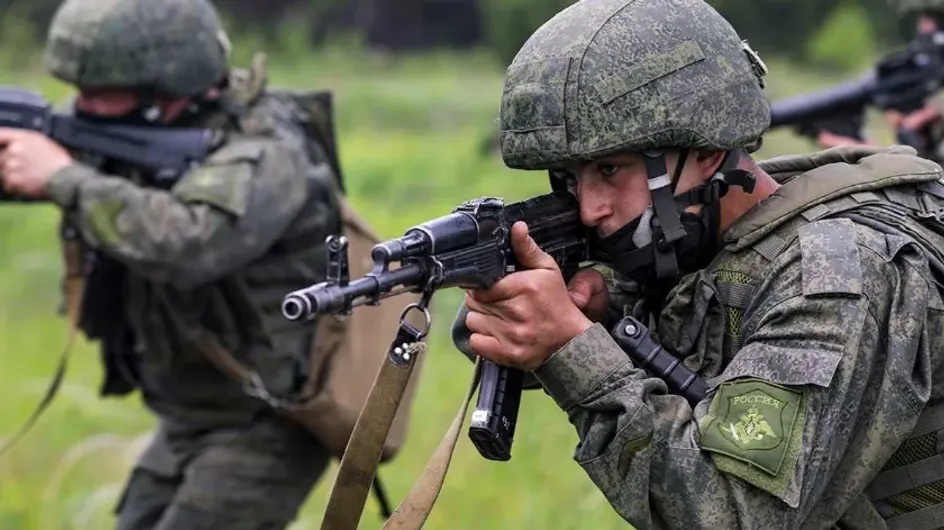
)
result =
(219, 250)
(815, 328)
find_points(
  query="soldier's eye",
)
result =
(607, 170)
(572, 184)
(567, 178)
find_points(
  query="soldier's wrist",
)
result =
(580, 366)
(63, 185)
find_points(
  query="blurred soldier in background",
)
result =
(178, 272)
(918, 18)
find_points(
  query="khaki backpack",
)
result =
(347, 354)
(348, 351)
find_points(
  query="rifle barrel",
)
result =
(850, 96)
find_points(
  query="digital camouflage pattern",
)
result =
(176, 47)
(817, 328)
(604, 76)
(215, 254)
(224, 243)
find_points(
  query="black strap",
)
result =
(381, 495)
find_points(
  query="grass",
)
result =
(410, 132)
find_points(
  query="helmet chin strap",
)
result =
(666, 225)
(666, 239)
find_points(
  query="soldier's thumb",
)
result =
(529, 254)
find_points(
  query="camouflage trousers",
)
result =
(250, 478)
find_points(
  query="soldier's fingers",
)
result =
(11, 164)
(487, 347)
(10, 150)
(503, 289)
(484, 323)
(16, 147)
(585, 285)
(472, 303)
(527, 251)
(8, 134)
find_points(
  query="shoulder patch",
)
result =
(224, 180)
(830, 258)
(754, 430)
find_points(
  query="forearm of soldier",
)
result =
(162, 237)
(631, 429)
(647, 452)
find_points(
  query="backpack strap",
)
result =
(74, 291)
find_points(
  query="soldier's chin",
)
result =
(604, 233)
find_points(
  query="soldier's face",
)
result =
(117, 102)
(926, 25)
(614, 191)
(107, 103)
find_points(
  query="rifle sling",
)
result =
(416, 507)
(357, 472)
(363, 451)
(75, 287)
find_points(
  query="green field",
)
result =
(410, 143)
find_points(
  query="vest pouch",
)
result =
(691, 325)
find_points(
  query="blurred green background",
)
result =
(417, 86)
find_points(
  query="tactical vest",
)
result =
(909, 491)
(346, 352)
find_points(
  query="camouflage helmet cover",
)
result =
(175, 47)
(608, 76)
(908, 7)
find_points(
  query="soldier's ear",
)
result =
(708, 161)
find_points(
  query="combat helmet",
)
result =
(905, 8)
(172, 47)
(611, 76)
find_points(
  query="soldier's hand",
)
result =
(588, 292)
(527, 315)
(27, 160)
(827, 140)
(921, 118)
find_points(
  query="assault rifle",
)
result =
(470, 248)
(167, 152)
(902, 81)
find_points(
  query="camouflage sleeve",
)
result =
(832, 375)
(218, 217)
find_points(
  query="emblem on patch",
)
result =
(755, 422)
(752, 429)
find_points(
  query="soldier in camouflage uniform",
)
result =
(918, 17)
(212, 255)
(803, 289)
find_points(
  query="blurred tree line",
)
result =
(827, 33)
